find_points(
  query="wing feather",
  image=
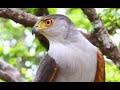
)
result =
(100, 74)
(47, 70)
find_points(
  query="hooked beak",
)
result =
(34, 30)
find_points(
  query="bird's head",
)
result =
(53, 27)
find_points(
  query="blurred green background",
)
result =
(21, 49)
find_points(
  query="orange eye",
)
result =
(48, 22)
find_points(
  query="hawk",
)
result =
(71, 57)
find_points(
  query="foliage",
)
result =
(112, 73)
(19, 47)
(111, 18)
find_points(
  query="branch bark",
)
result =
(18, 16)
(99, 37)
(42, 12)
(102, 36)
(9, 73)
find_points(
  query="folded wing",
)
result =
(100, 74)
(47, 70)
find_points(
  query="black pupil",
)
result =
(48, 22)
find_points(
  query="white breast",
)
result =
(77, 61)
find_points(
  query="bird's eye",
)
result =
(48, 22)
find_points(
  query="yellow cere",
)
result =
(44, 23)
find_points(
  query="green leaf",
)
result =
(23, 70)
(52, 10)
(12, 60)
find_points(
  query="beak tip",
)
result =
(32, 33)
(33, 30)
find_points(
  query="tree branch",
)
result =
(18, 16)
(5, 76)
(9, 73)
(102, 36)
(42, 12)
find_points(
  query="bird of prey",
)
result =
(71, 57)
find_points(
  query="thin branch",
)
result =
(102, 36)
(9, 73)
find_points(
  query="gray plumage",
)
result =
(74, 54)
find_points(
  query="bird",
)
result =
(71, 57)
